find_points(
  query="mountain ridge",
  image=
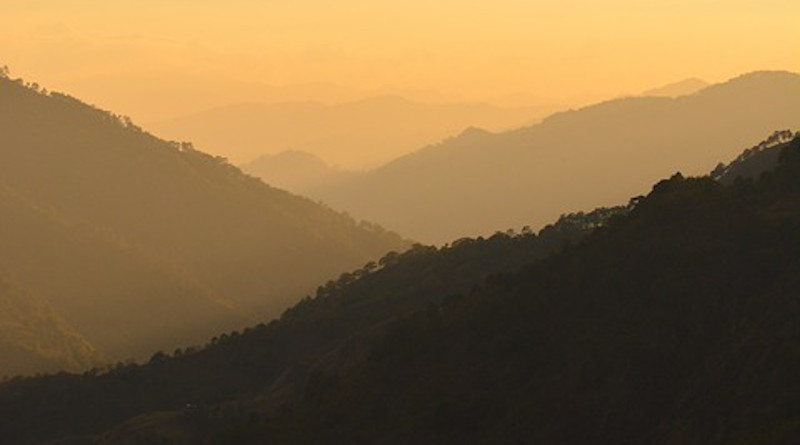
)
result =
(455, 188)
(616, 326)
(175, 244)
(354, 135)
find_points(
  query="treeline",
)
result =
(279, 358)
(675, 324)
(145, 244)
(669, 321)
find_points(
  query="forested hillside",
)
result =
(754, 161)
(142, 244)
(334, 329)
(34, 339)
(654, 323)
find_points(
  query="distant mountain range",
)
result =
(302, 171)
(139, 244)
(479, 181)
(352, 135)
(681, 88)
(659, 322)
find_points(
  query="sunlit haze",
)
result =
(155, 60)
(248, 222)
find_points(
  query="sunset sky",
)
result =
(195, 54)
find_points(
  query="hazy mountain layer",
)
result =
(138, 242)
(680, 88)
(295, 171)
(478, 182)
(352, 135)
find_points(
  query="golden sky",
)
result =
(153, 59)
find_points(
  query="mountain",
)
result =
(294, 170)
(334, 328)
(669, 321)
(163, 95)
(143, 244)
(34, 339)
(479, 181)
(681, 88)
(357, 134)
(123, 300)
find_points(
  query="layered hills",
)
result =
(142, 244)
(354, 135)
(657, 322)
(480, 181)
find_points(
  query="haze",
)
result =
(155, 60)
(245, 222)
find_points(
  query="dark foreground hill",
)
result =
(478, 182)
(333, 329)
(673, 322)
(142, 244)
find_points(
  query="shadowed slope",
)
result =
(34, 339)
(155, 231)
(126, 301)
(671, 323)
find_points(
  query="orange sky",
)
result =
(154, 59)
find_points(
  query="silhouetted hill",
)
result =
(358, 134)
(755, 160)
(669, 321)
(143, 244)
(479, 181)
(334, 329)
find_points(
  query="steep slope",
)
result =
(479, 181)
(755, 160)
(354, 135)
(197, 232)
(674, 325)
(673, 322)
(127, 302)
(332, 330)
(34, 339)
